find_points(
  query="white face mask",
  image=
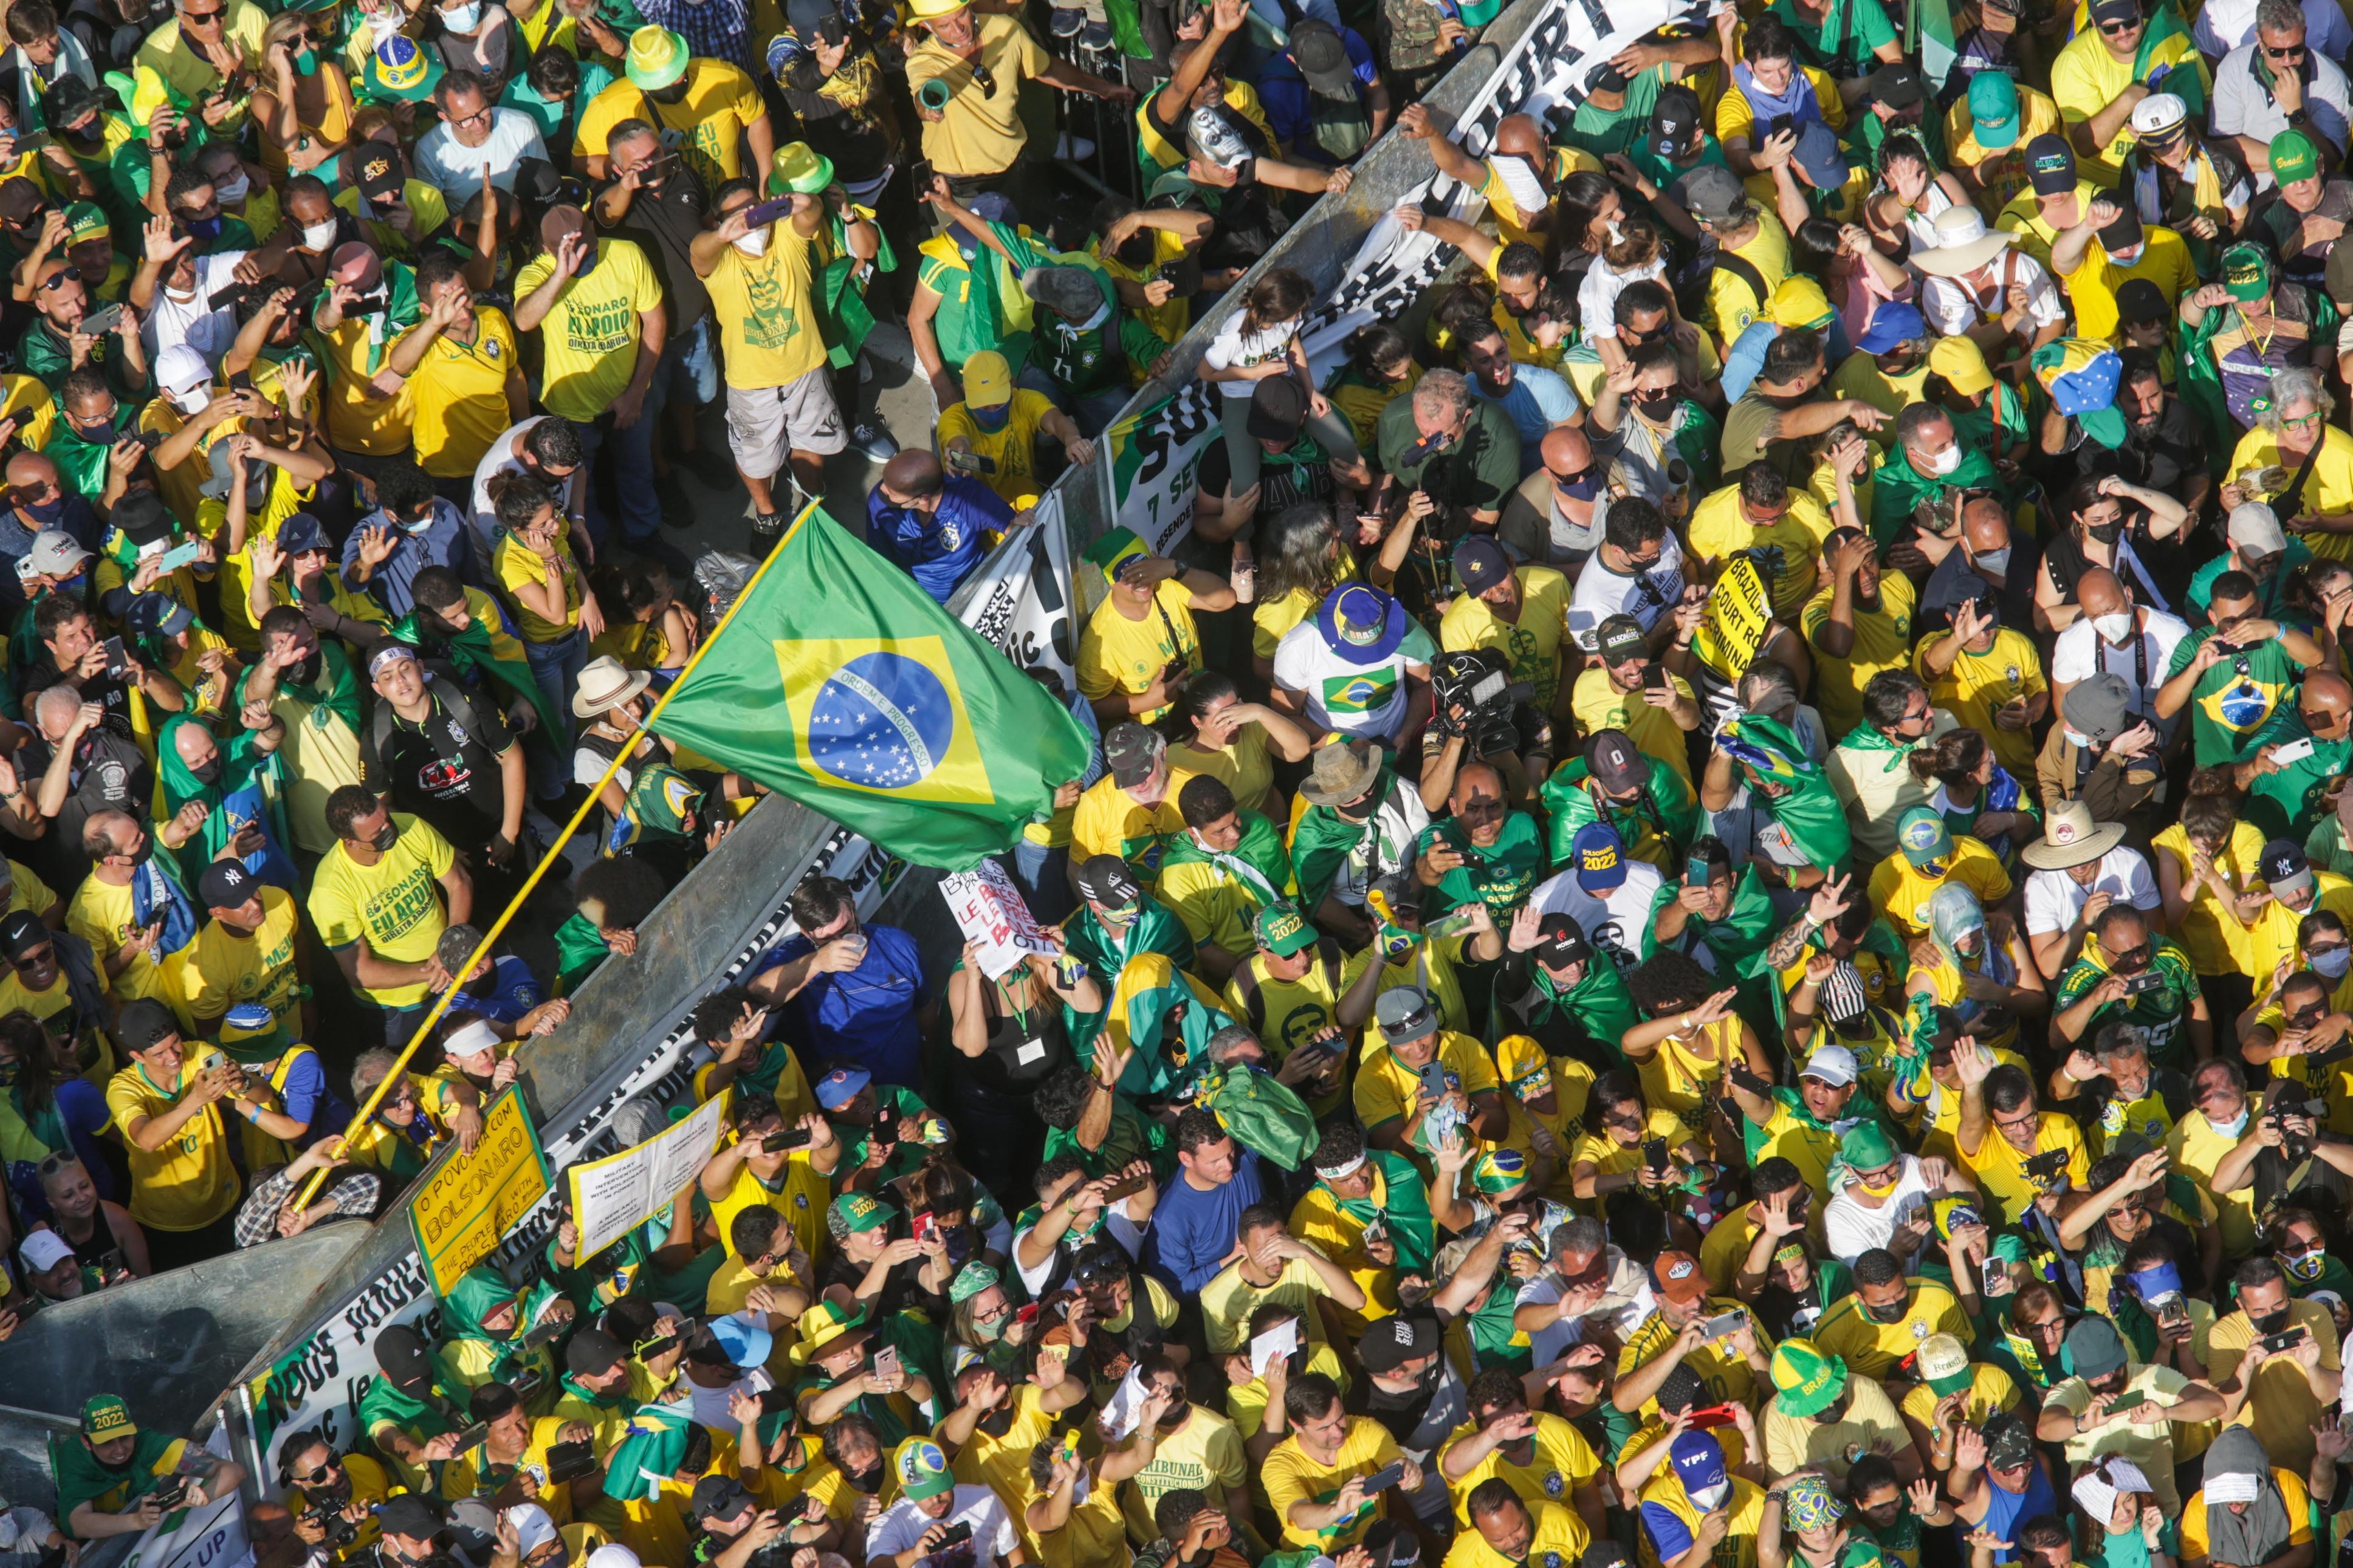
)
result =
(1946, 461)
(232, 191)
(191, 401)
(755, 243)
(1992, 560)
(464, 19)
(1706, 1499)
(2115, 628)
(2233, 1128)
(318, 235)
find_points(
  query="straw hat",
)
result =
(2070, 838)
(1964, 244)
(605, 685)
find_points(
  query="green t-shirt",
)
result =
(2201, 582)
(1513, 866)
(2163, 1010)
(2245, 701)
(1897, 488)
(1479, 471)
(2291, 803)
(1846, 36)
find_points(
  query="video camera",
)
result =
(1488, 700)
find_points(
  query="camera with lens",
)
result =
(2277, 1114)
(1478, 701)
(339, 1531)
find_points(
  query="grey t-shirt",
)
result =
(2243, 105)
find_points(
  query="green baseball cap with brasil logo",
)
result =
(1945, 1365)
(105, 1417)
(922, 1470)
(2294, 157)
(1927, 842)
(1280, 930)
(1809, 1380)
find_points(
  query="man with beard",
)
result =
(1859, 624)
(2115, 1405)
(1411, 1388)
(1893, 718)
(1192, 1534)
(1360, 821)
(1779, 412)
(2017, 1154)
(1193, 1448)
(736, 1528)
(1875, 1329)
(309, 686)
(1822, 1415)
(115, 1479)
(1370, 1212)
(2259, 549)
(1538, 1455)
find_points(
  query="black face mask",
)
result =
(208, 773)
(1891, 1313)
(2269, 1323)
(866, 1482)
(2107, 532)
(383, 842)
(1176, 1415)
(674, 93)
(997, 1423)
(1657, 403)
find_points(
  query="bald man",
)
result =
(1519, 176)
(1552, 519)
(1986, 545)
(2288, 781)
(933, 522)
(2105, 631)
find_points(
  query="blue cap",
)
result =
(746, 1344)
(1699, 1461)
(303, 531)
(1892, 323)
(1361, 624)
(251, 1015)
(840, 1087)
(1598, 857)
(2156, 1279)
(1819, 155)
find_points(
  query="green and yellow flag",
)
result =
(841, 684)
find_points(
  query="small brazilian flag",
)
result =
(842, 685)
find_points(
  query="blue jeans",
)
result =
(690, 366)
(633, 476)
(556, 665)
(1089, 411)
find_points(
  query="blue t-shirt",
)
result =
(311, 1099)
(2005, 1511)
(1537, 400)
(1193, 1231)
(940, 547)
(866, 1014)
(442, 542)
(508, 993)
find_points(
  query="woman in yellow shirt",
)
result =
(1228, 738)
(2209, 875)
(543, 589)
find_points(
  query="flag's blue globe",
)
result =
(881, 721)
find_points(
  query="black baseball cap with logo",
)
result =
(1563, 941)
(1615, 764)
(1675, 123)
(1105, 879)
(2051, 164)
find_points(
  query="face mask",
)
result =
(999, 1423)
(1946, 461)
(191, 401)
(2233, 1128)
(1881, 1189)
(306, 61)
(755, 243)
(991, 419)
(2269, 1323)
(1993, 560)
(318, 235)
(210, 772)
(869, 1483)
(231, 191)
(47, 512)
(2303, 1266)
(2107, 532)
(588, 263)
(98, 434)
(383, 842)
(2332, 963)
(1891, 1313)
(205, 228)
(2115, 628)
(1655, 404)
(464, 19)
(1706, 1499)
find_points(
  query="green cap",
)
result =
(104, 1417)
(1944, 1363)
(1866, 1147)
(86, 219)
(1993, 107)
(1280, 930)
(1809, 1380)
(2294, 157)
(1922, 834)
(1499, 1170)
(2247, 268)
(922, 1470)
(859, 1212)
(970, 1281)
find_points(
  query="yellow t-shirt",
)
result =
(1978, 683)
(188, 1182)
(802, 1201)
(590, 336)
(2216, 941)
(1206, 1448)
(226, 969)
(978, 133)
(2085, 78)
(516, 564)
(1726, 1243)
(1726, 1373)
(1599, 705)
(1243, 766)
(2002, 174)
(2272, 935)
(1678, 1073)
(1510, 222)
(1874, 1348)
(1117, 653)
(1731, 304)
(1720, 529)
(1883, 641)
(1559, 1536)
(458, 395)
(100, 915)
(1430, 966)
(1293, 1477)
(1990, 1389)
(1736, 116)
(2283, 1410)
(1597, 1147)
(425, 201)
(2092, 287)
(2149, 1444)
(705, 126)
(1011, 448)
(2327, 490)
(359, 418)
(395, 903)
(2000, 1169)
(1792, 1443)
(1246, 1402)
(1108, 821)
(1530, 645)
(2292, 1493)
(767, 327)
(1563, 1461)
(1228, 1300)
(1386, 1087)
(1900, 892)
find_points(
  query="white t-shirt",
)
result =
(1117, 1224)
(1852, 1229)
(193, 320)
(2053, 898)
(456, 170)
(1233, 349)
(1337, 689)
(1952, 308)
(482, 518)
(1617, 920)
(1601, 593)
(2081, 654)
(903, 1525)
(1596, 297)
(1621, 1311)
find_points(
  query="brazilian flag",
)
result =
(838, 682)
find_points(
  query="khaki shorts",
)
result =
(765, 425)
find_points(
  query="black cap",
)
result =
(1898, 84)
(2125, 232)
(143, 517)
(1675, 122)
(1615, 764)
(1278, 408)
(410, 1516)
(1563, 941)
(227, 885)
(1608, 78)
(377, 168)
(2141, 302)
(21, 932)
(1395, 1340)
(407, 1364)
(1105, 879)
(2051, 164)
(1680, 1389)
(593, 1352)
(145, 1024)
(718, 1497)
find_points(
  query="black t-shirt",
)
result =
(109, 773)
(445, 770)
(1302, 473)
(663, 222)
(1024, 1045)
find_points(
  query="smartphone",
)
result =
(886, 1361)
(99, 320)
(570, 1461)
(1433, 1080)
(1708, 1418)
(971, 462)
(1994, 1274)
(1184, 273)
(2294, 752)
(2175, 1311)
(1750, 1079)
(1728, 1322)
(1695, 871)
(179, 555)
(2276, 1343)
(1385, 1478)
(926, 1225)
(541, 1334)
(760, 214)
(1027, 1314)
(2048, 1164)
(1654, 1155)
(1126, 1189)
(2138, 984)
(1654, 677)
(885, 1128)
(168, 1495)
(117, 663)
(472, 1436)
(1454, 922)
(920, 173)
(956, 1534)
(32, 141)
(790, 1138)
(1780, 124)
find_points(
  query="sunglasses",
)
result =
(315, 1477)
(59, 280)
(2116, 29)
(2293, 52)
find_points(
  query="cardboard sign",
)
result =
(613, 1197)
(1740, 612)
(470, 1201)
(989, 907)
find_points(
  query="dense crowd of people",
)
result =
(1710, 928)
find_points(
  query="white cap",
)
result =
(533, 1528)
(2255, 526)
(43, 1250)
(613, 1555)
(471, 1040)
(182, 369)
(1832, 1064)
(2157, 113)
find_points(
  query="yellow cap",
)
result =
(1523, 1065)
(1962, 363)
(987, 379)
(925, 10)
(1799, 302)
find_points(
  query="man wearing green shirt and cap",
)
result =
(2236, 677)
(1926, 461)
(1730, 915)
(2289, 796)
(1554, 989)
(2128, 973)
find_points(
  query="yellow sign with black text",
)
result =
(466, 1204)
(1740, 612)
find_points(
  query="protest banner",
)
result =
(613, 1197)
(469, 1202)
(989, 907)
